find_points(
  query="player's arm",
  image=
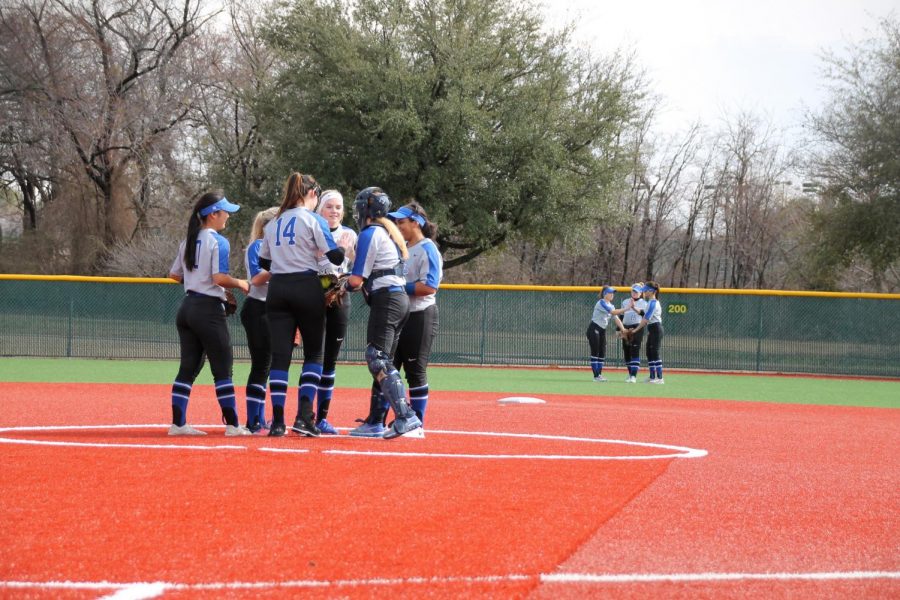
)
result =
(227, 281)
(625, 308)
(363, 261)
(432, 281)
(259, 266)
(176, 271)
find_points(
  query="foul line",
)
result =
(142, 590)
(673, 451)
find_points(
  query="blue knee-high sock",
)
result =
(181, 393)
(324, 393)
(595, 365)
(659, 369)
(600, 362)
(309, 384)
(256, 403)
(633, 367)
(278, 384)
(227, 401)
(418, 400)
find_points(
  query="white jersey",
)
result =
(376, 251)
(345, 238)
(294, 240)
(631, 316)
(602, 312)
(251, 263)
(426, 265)
(210, 257)
(654, 312)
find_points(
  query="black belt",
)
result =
(199, 295)
(391, 288)
(305, 273)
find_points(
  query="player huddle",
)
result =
(296, 251)
(639, 313)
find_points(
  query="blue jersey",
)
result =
(210, 257)
(294, 240)
(426, 265)
(251, 263)
(376, 251)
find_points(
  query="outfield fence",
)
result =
(733, 330)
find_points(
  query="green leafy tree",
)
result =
(496, 125)
(858, 218)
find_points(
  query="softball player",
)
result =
(292, 243)
(632, 310)
(596, 331)
(331, 207)
(253, 318)
(652, 320)
(425, 269)
(379, 269)
(202, 266)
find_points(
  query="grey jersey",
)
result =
(654, 312)
(602, 312)
(251, 263)
(426, 265)
(211, 257)
(376, 251)
(631, 316)
(294, 240)
(345, 238)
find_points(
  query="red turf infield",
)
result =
(784, 489)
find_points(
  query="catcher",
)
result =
(596, 331)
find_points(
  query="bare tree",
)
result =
(226, 109)
(752, 190)
(113, 78)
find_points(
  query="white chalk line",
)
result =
(141, 590)
(674, 451)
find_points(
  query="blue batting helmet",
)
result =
(371, 203)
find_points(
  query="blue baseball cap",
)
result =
(638, 287)
(649, 288)
(405, 212)
(608, 290)
(222, 204)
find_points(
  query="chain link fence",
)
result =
(488, 325)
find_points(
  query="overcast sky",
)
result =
(709, 57)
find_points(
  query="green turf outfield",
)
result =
(761, 388)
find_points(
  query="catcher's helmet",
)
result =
(371, 203)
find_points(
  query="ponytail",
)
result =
(395, 235)
(296, 188)
(195, 223)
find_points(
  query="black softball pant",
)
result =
(336, 320)
(414, 345)
(388, 313)
(295, 300)
(203, 331)
(632, 350)
(654, 341)
(256, 326)
(596, 340)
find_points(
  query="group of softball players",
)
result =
(294, 249)
(641, 311)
